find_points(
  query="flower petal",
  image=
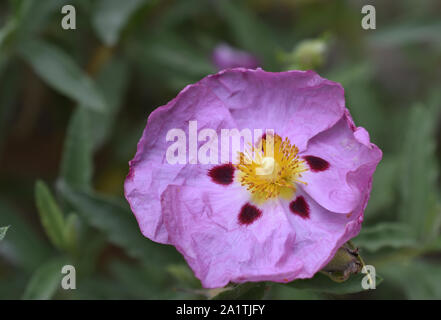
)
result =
(279, 246)
(352, 160)
(299, 104)
(319, 237)
(150, 173)
(228, 251)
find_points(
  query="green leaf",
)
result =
(362, 98)
(45, 281)
(419, 279)
(111, 16)
(32, 16)
(112, 80)
(383, 191)
(89, 129)
(22, 247)
(6, 33)
(51, 215)
(99, 287)
(3, 231)
(61, 72)
(245, 291)
(170, 53)
(402, 34)
(146, 281)
(418, 183)
(283, 292)
(115, 219)
(322, 283)
(71, 233)
(76, 164)
(386, 234)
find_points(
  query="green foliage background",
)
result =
(73, 104)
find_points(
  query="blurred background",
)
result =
(73, 104)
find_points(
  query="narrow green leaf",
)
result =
(117, 221)
(45, 281)
(51, 216)
(245, 291)
(418, 184)
(61, 72)
(3, 231)
(322, 283)
(112, 80)
(6, 33)
(22, 246)
(386, 234)
(32, 16)
(402, 34)
(362, 98)
(111, 16)
(171, 53)
(89, 129)
(76, 163)
(71, 233)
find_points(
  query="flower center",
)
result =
(271, 169)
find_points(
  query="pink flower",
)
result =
(267, 217)
(225, 56)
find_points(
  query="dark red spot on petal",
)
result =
(223, 174)
(263, 140)
(300, 207)
(316, 164)
(248, 214)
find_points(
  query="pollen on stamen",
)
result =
(316, 164)
(222, 174)
(248, 214)
(271, 173)
(300, 207)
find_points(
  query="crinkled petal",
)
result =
(150, 173)
(222, 252)
(352, 161)
(319, 236)
(279, 246)
(300, 104)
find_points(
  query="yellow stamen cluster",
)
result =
(271, 169)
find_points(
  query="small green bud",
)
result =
(308, 54)
(346, 261)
